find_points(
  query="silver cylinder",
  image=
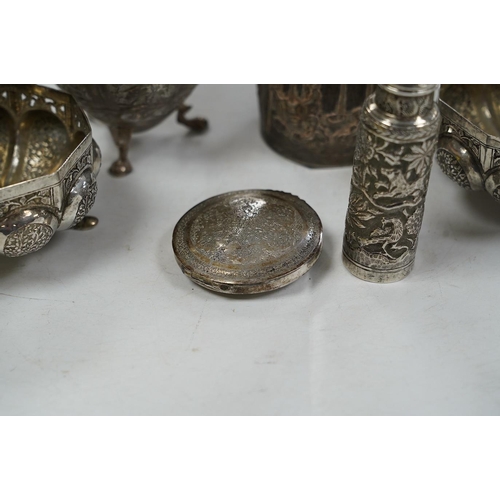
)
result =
(395, 145)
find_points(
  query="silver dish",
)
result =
(469, 143)
(247, 242)
(48, 167)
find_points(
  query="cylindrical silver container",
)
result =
(395, 146)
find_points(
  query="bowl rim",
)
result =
(50, 180)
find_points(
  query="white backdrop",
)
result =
(104, 322)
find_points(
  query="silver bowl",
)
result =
(129, 108)
(48, 167)
(469, 143)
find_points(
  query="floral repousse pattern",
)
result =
(84, 162)
(28, 239)
(451, 167)
(386, 205)
(36, 199)
(86, 204)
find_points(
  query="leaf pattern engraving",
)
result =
(420, 156)
(27, 239)
(388, 188)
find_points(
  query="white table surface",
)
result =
(104, 322)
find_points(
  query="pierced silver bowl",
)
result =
(469, 143)
(48, 167)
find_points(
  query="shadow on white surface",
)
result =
(313, 278)
(483, 207)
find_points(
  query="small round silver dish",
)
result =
(247, 242)
(48, 167)
(469, 142)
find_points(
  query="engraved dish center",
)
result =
(248, 241)
(247, 231)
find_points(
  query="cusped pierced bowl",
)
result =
(48, 166)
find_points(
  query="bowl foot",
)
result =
(195, 124)
(88, 222)
(120, 168)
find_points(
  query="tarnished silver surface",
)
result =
(312, 124)
(48, 167)
(395, 146)
(469, 142)
(130, 108)
(248, 241)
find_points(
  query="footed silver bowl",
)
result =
(129, 108)
(469, 142)
(48, 167)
